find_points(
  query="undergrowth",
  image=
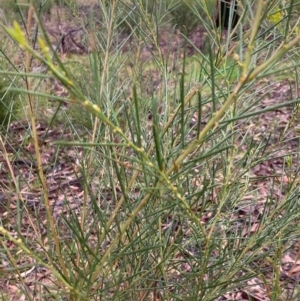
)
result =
(184, 183)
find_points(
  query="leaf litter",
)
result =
(270, 180)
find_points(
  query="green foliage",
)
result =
(13, 8)
(183, 17)
(185, 184)
(9, 106)
(131, 14)
(185, 14)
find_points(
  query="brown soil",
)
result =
(64, 179)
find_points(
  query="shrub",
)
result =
(15, 8)
(185, 14)
(9, 107)
(187, 186)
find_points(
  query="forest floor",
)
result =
(64, 178)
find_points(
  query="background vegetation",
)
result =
(159, 162)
